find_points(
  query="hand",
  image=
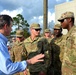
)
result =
(25, 72)
(35, 59)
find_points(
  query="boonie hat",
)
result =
(66, 15)
(35, 26)
(47, 30)
(19, 33)
(57, 26)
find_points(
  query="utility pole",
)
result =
(45, 14)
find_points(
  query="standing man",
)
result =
(69, 60)
(56, 45)
(47, 35)
(18, 52)
(7, 67)
(35, 44)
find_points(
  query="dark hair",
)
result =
(5, 19)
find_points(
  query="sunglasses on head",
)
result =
(37, 29)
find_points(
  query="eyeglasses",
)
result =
(19, 37)
(37, 29)
(62, 20)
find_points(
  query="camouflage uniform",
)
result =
(57, 52)
(34, 47)
(18, 52)
(49, 40)
(69, 59)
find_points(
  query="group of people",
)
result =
(39, 55)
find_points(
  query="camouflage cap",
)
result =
(19, 33)
(47, 30)
(35, 26)
(66, 15)
(57, 26)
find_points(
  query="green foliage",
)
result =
(26, 34)
(14, 32)
(21, 23)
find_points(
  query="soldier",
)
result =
(47, 34)
(34, 45)
(69, 60)
(18, 49)
(56, 45)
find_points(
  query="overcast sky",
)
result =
(32, 10)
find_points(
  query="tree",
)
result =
(21, 23)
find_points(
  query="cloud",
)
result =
(12, 13)
(38, 19)
(32, 10)
(51, 16)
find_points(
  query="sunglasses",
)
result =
(37, 29)
(19, 37)
(62, 20)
